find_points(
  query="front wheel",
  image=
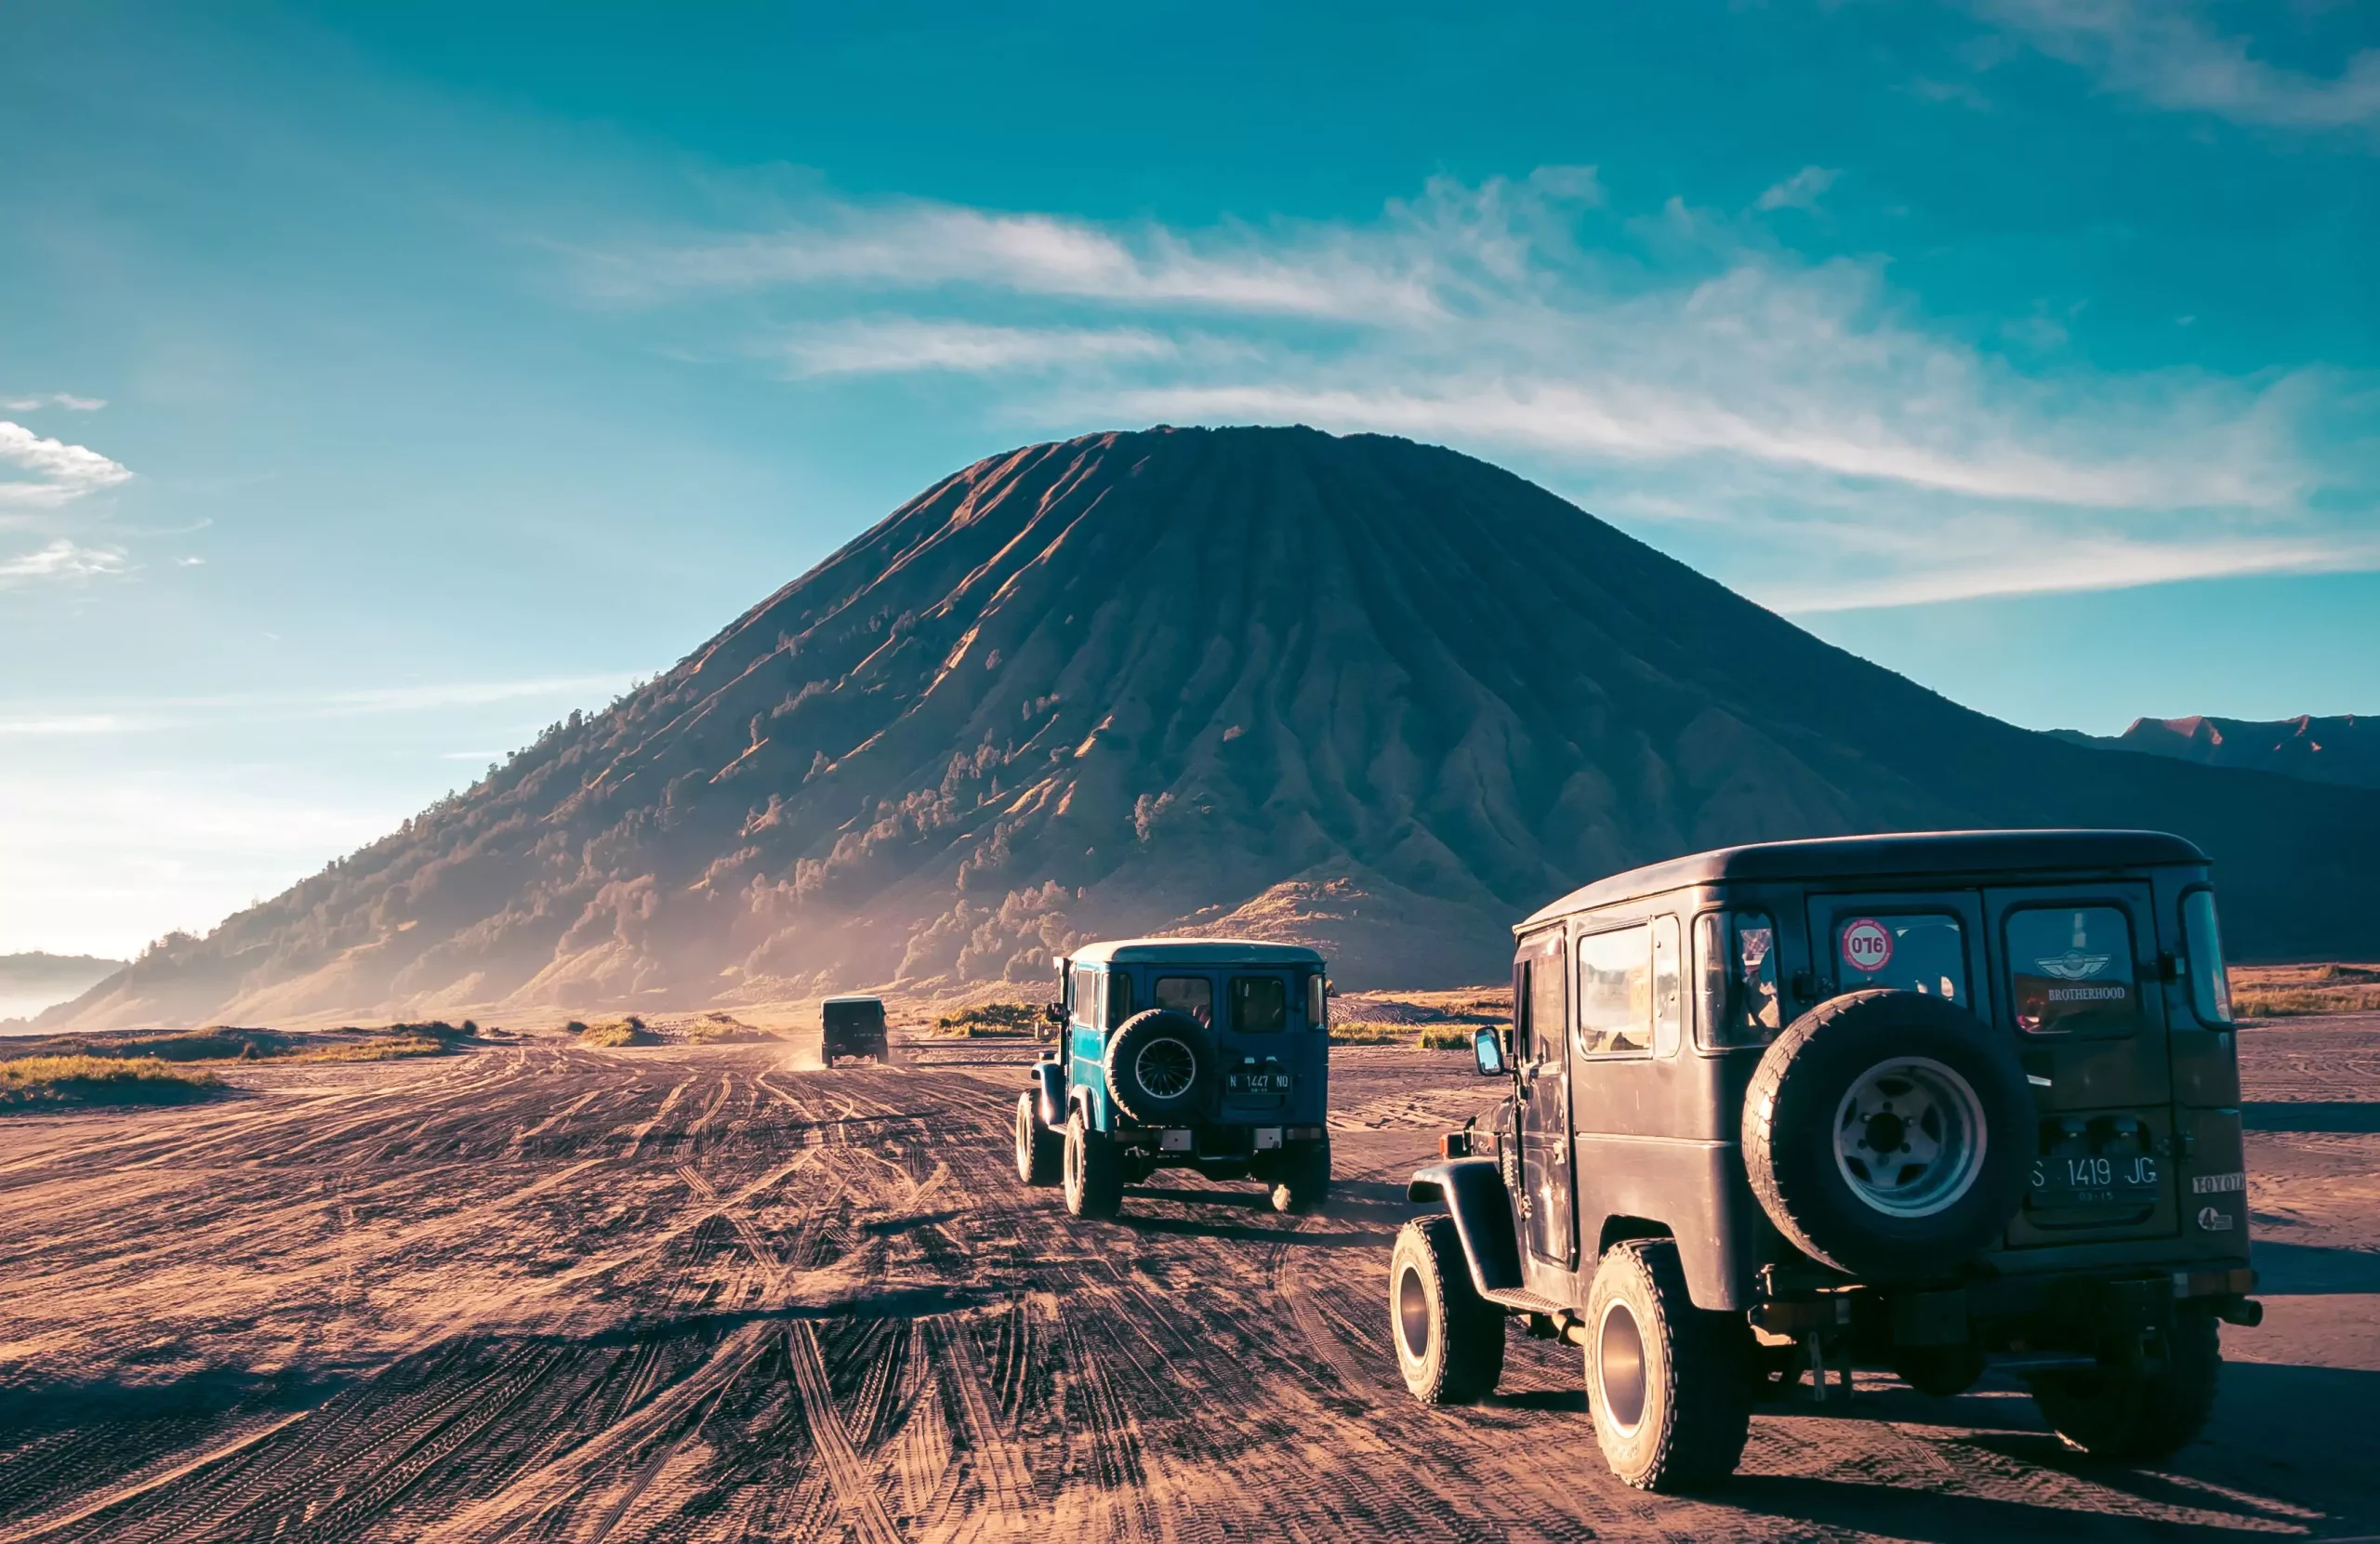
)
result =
(1095, 1177)
(1450, 1339)
(1666, 1381)
(2138, 1416)
(1041, 1153)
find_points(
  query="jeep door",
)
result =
(2078, 966)
(1540, 999)
(1266, 1063)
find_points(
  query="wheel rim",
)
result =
(1165, 1069)
(1908, 1137)
(1619, 1366)
(1413, 1312)
(1074, 1160)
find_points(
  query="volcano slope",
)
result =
(1368, 694)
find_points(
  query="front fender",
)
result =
(1482, 1208)
(1049, 1082)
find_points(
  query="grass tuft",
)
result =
(617, 1033)
(992, 1021)
(100, 1080)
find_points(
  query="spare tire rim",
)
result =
(1620, 1367)
(1165, 1069)
(1413, 1313)
(1908, 1137)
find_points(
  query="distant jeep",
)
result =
(1211, 1054)
(852, 1026)
(1933, 1103)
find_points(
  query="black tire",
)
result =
(1450, 1339)
(1801, 1089)
(1041, 1153)
(1944, 1372)
(1094, 1172)
(1666, 1381)
(1303, 1182)
(2136, 1417)
(1160, 1066)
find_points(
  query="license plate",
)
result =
(2061, 1182)
(1256, 1083)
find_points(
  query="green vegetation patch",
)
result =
(993, 1021)
(616, 1033)
(1363, 1032)
(724, 1029)
(38, 1080)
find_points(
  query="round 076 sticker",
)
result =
(1866, 945)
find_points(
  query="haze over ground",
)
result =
(386, 384)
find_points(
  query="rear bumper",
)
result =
(2016, 1309)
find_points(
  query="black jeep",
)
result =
(851, 1027)
(1934, 1102)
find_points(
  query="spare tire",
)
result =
(1160, 1066)
(1889, 1135)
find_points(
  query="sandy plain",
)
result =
(542, 1292)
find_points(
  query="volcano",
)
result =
(1357, 691)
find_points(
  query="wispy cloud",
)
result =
(56, 472)
(876, 346)
(66, 400)
(144, 715)
(61, 560)
(1799, 190)
(1678, 367)
(2169, 55)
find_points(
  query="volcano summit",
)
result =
(1357, 691)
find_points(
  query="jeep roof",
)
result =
(851, 1000)
(1912, 854)
(1218, 951)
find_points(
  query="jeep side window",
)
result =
(1916, 952)
(1615, 992)
(1083, 993)
(1260, 1005)
(1735, 956)
(2071, 971)
(1191, 995)
(1542, 1040)
(2210, 983)
(1120, 998)
(1669, 1007)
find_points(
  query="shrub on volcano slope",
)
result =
(1360, 692)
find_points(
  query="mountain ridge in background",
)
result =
(34, 981)
(1370, 695)
(2344, 748)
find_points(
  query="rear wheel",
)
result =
(1303, 1181)
(1665, 1380)
(2136, 1417)
(1450, 1339)
(1094, 1172)
(1041, 1153)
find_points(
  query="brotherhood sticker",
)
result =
(2073, 965)
(1866, 945)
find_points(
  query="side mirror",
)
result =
(1055, 1012)
(1488, 1050)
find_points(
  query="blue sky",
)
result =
(380, 382)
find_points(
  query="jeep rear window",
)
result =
(1615, 992)
(1191, 995)
(2071, 971)
(1915, 951)
(1735, 961)
(1119, 999)
(1260, 1005)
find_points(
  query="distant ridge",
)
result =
(2342, 749)
(1371, 694)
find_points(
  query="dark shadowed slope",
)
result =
(1357, 690)
(2343, 749)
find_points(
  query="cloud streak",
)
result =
(55, 473)
(61, 560)
(2170, 58)
(1678, 368)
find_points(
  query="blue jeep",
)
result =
(1205, 1053)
